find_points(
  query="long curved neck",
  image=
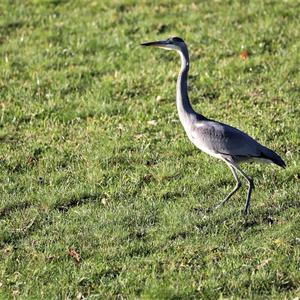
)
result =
(184, 106)
(182, 97)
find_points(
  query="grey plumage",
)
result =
(232, 143)
(216, 139)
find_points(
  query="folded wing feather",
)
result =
(224, 139)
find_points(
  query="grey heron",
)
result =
(219, 140)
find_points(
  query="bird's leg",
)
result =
(237, 186)
(251, 187)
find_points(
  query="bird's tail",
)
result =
(274, 157)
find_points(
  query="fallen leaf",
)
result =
(139, 136)
(263, 263)
(120, 127)
(279, 242)
(244, 55)
(152, 122)
(30, 160)
(74, 255)
(255, 93)
(194, 6)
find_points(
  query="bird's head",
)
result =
(173, 43)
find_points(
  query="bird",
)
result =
(222, 141)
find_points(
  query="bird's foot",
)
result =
(245, 212)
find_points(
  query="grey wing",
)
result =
(224, 139)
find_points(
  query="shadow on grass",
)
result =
(42, 218)
(9, 209)
(66, 204)
(9, 28)
(14, 237)
(235, 222)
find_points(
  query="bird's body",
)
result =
(223, 141)
(214, 138)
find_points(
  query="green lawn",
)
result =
(102, 196)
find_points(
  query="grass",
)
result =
(102, 195)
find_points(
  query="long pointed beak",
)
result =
(155, 44)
